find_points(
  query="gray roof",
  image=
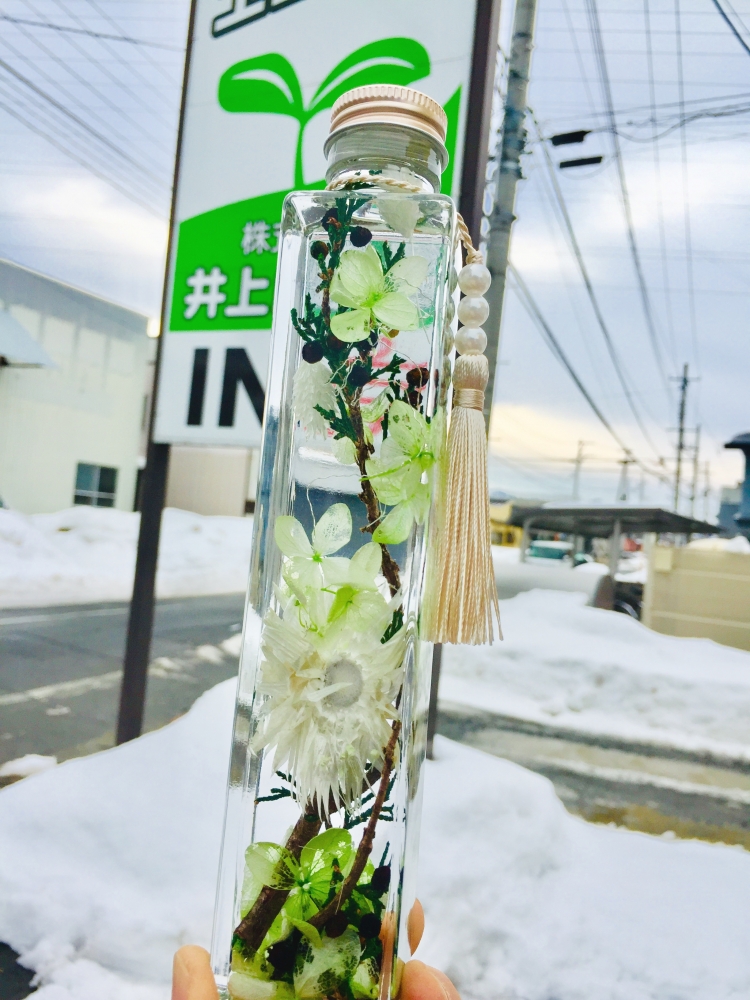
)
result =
(21, 286)
(739, 441)
(18, 347)
(597, 520)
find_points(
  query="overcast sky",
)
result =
(687, 192)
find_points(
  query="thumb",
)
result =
(192, 978)
(421, 982)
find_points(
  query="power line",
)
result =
(596, 35)
(89, 33)
(614, 357)
(12, 110)
(730, 5)
(102, 65)
(732, 28)
(685, 194)
(156, 63)
(61, 109)
(657, 171)
(100, 95)
(529, 304)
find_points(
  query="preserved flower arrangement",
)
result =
(326, 775)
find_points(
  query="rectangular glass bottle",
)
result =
(318, 861)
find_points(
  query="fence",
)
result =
(703, 593)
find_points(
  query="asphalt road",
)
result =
(607, 780)
(60, 670)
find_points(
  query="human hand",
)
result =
(192, 978)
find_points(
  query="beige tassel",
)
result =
(464, 604)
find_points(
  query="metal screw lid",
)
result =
(383, 103)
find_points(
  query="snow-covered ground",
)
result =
(565, 664)
(107, 865)
(87, 554)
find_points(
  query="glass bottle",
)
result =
(322, 822)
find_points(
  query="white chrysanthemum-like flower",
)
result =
(329, 699)
(312, 387)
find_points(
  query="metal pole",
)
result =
(473, 179)
(508, 174)
(525, 538)
(577, 471)
(141, 618)
(614, 551)
(696, 466)
(684, 381)
(432, 713)
(706, 491)
(477, 138)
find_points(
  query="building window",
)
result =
(96, 485)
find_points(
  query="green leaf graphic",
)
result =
(398, 61)
(245, 87)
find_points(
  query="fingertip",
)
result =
(192, 978)
(415, 925)
(421, 982)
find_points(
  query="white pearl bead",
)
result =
(474, 279)
(450, 311)
(448, 341)
(471, 340)
(452, 280)
(473, 311)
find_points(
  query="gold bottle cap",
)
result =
(383, 103)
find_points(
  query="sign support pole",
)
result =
(142, 604)
(473, 180)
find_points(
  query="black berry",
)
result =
(281, 956)
(319, 250)
(381, 878)
(414, 398)
(336, 926)
(369, 925)
(312, 352)
(331, 216)
(335, 344)
(360, 236)
(417, 377)
(359, 375)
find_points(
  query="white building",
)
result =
(74, 385)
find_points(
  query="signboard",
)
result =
(262, 78)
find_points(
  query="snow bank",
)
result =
(569, 665)
(714, 544)
(23, 767)
(87, 554)
(107, 865)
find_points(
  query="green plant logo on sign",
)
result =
(226, 258)
(246, 87)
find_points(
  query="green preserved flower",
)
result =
(370, 295)
(399, 474)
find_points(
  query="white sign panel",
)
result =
(263, 76)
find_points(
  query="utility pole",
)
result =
(578, 462)
(684, 382)
(622, 486)
(696, 456)
(508, 157)
(707, 490)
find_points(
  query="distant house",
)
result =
(75, 375)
